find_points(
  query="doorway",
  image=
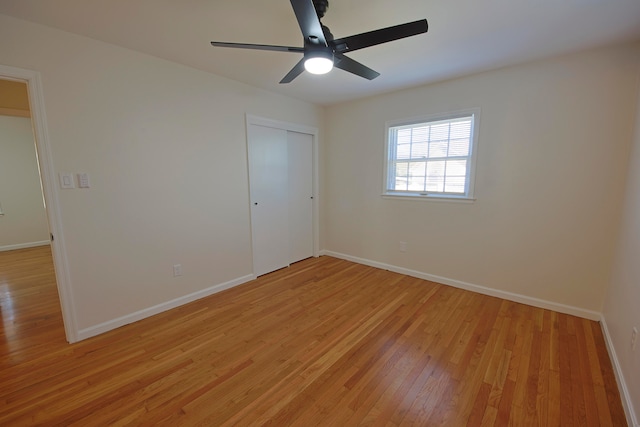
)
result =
(24, 224)
(282, 180)
(47, 191)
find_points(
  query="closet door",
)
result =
(281, 192)
(300, 165)
(269, 194)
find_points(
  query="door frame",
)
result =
(50, 192)
(293, 127)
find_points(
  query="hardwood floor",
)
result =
(324, 342)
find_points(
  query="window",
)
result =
(432, 157)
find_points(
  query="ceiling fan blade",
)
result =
(295, 72)
(309, 22)
(347, 64)
(259, 46)
(383, 35)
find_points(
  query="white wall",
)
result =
(622, 307)
(165, 148)
(553, 143)
(24, 222)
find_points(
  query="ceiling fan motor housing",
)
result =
(318, 51)
(321, 7)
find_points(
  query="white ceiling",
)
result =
(465, 36)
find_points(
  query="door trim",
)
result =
(49, 188)
(294, 127)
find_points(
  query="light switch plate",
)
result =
(83, 180)
(66, 180)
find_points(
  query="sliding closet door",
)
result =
(300, 151)
(281, 191)
(269, 193)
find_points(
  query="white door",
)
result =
(300, 148)
(281, 192)
(269, 188)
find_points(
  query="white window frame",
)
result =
(388, 175)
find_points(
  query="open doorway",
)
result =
(23, 218)
(30, 213)
(29, 300)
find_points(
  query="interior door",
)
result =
(269, 188)
(300, 165)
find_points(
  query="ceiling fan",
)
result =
(322, 52)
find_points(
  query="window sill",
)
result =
(432, 198)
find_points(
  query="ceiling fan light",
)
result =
(318, 65)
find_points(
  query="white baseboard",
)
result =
(627, 403)
(24, 245)
(156, 309)
(535, 302)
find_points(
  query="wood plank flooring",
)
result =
(325, 342)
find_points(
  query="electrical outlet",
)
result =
(177, 270)
(634, 338)
(403, 246)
